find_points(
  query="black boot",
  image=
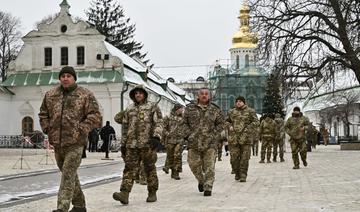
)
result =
(78, 209)
(201, 187)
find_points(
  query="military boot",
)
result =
(296, 167)
(305, 163)
(151, 196)
(175, 175)
(274, 160)
(282, 160)
(78, 209)
(237, 176)
(58, 210)
(219, 157)
(142, 182)
(201, 187)
(207, 193)
(268, 161)
(242, 178)
(166, 170)
(261, 161)
(122, 196)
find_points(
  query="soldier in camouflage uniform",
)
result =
(67, 114)
(279, 139)
(173, 139)
(296, 127)
(203, 123)
(141, 134)
(267, 137)
(243, 123)
(222, 140)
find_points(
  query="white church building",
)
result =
(106, 71)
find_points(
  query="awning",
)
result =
(51, 78)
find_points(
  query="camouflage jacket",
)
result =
(202, 126)
(67, 118)
(140, 123)
(267, 128)
(280, 132)
(244, 124)
(173, 133)
(296, 127)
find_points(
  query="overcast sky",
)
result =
(174, 32)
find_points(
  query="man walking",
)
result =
(244, 125)
(203, 123)
(67, 114)
(267, 137)
(141, 134)
(174, 140)
(296, 127)
(279, 139)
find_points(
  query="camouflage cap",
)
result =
(138, 88)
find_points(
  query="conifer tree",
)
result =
(109, 19)
(273, 102)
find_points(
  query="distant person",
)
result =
(325, 135)
(67, 114)
(267, 137)
(296, 127)
(174, 140)
(280, 138)
(106, 134)
(93, 140)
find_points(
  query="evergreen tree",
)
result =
(273, 103)
(109, 19)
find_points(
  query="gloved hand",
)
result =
(123, 151)
(154, 142)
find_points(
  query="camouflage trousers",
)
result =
(141, 175)
(240, 156)
(202, 165)
(278, 143)
(133, 158)
(174, 156)
(298, 146)
(219, 150)
(266, 146)
(68, 160)
(255, 147)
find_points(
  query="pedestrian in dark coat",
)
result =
(106, 133)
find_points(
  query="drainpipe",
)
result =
(125, 88)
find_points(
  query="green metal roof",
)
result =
(51, 78)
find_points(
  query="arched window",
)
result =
(200, 79)
(247, 60)
(170, 79)
(27, 125)
(237, 62)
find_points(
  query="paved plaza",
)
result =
(331, 182)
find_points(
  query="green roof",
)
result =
(51, 78)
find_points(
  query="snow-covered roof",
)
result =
(124, 58)
(184, 74)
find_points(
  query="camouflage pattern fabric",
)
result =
(280, 138)
(174, 156)
(267, 134)
(202, 165)
(240, 159)
(68, 117)
(173, 140)
(244, 124)
(132, 161)
(141, 175)
(202, 128)
(296, 127)
(68, 160)
(140, 123)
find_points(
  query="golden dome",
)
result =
(244, 38)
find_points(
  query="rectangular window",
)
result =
(64, 56)
(48, 56)
(80, 55)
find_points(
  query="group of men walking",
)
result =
(69, 112)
